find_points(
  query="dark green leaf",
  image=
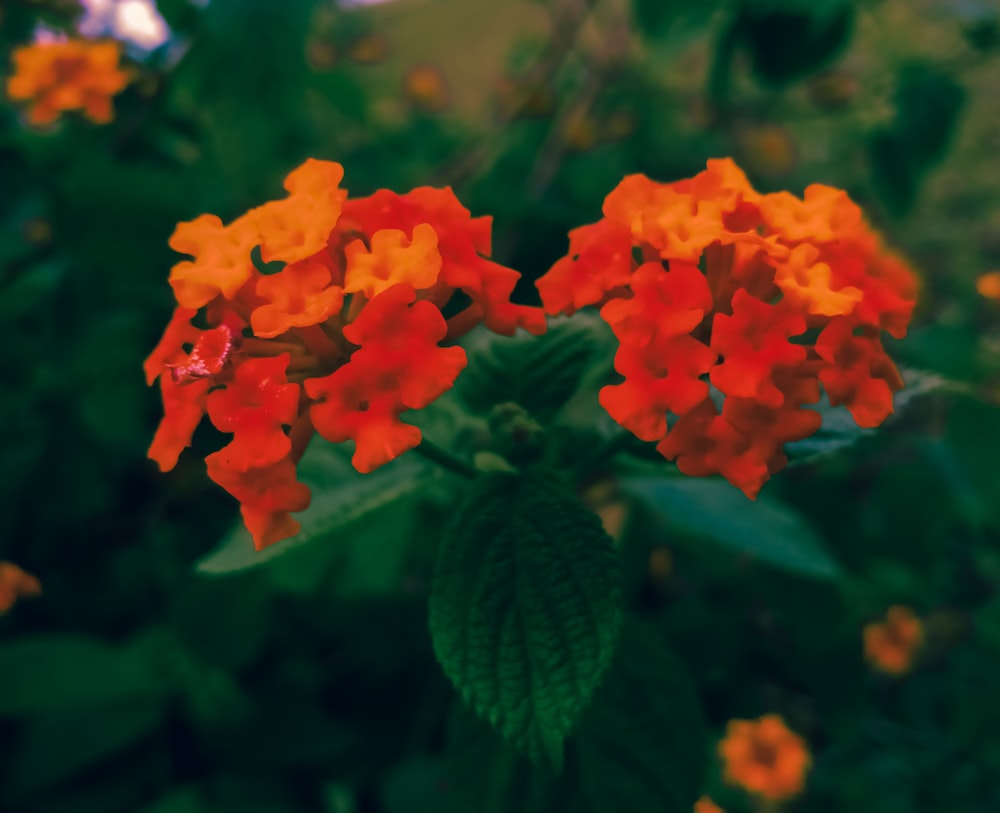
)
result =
(786, 43)
(928, 102)
(893, 177)
(638, 747)
(340, 496)
(659, 18)
(714, 510)
(540, 373)
(641, 744)
(61, 671)
(58, 745)
(525, 609)
(839, 430)
(181, 800)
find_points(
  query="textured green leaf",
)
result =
(525, 608)
(39, 674)
(341, 496)
(639, 745)
(540, 373)
(716, 511)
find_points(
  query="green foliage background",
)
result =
(306, 679)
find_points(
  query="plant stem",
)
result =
(607, 450)
(446, 459)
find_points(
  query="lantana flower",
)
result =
(891, 644)
(988, 285)
(63, 75)
(764, 757)
(341, 341)
(706, 805)
(708, 284)
(16, 584)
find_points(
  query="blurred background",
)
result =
(135, 683)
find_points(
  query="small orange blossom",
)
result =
(765, 757)
(891, 644)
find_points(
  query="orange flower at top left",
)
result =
(53, 77)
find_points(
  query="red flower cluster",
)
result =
(341, 340)
(765, 296)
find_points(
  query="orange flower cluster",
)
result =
(16, 584)
(764, 296)
(341, 340)
(67, 75)
(890, 645)
(764, 757)
(706, 805)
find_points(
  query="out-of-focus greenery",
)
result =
(139, 682)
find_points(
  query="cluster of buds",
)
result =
(764, 297)
(64, 75)
(340, 341)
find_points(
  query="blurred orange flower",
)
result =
(769, 149)
(706, 805)
(16, 584)
(765, 757)
(988, 285)
(890, 645)
(426, 88)
(59, 76)
(341, 340)
(766, 297)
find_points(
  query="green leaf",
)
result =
(186, 799)
(716, 511)
(839, 430)
(341, 496)
(659, 18)
(52, 672)
(928, 104)
(894, 179)
(52, 749)
(639, 746)
(787, 42)
(525, 608)
(539, 373)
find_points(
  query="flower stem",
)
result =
(446, 459)
(607, 450)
